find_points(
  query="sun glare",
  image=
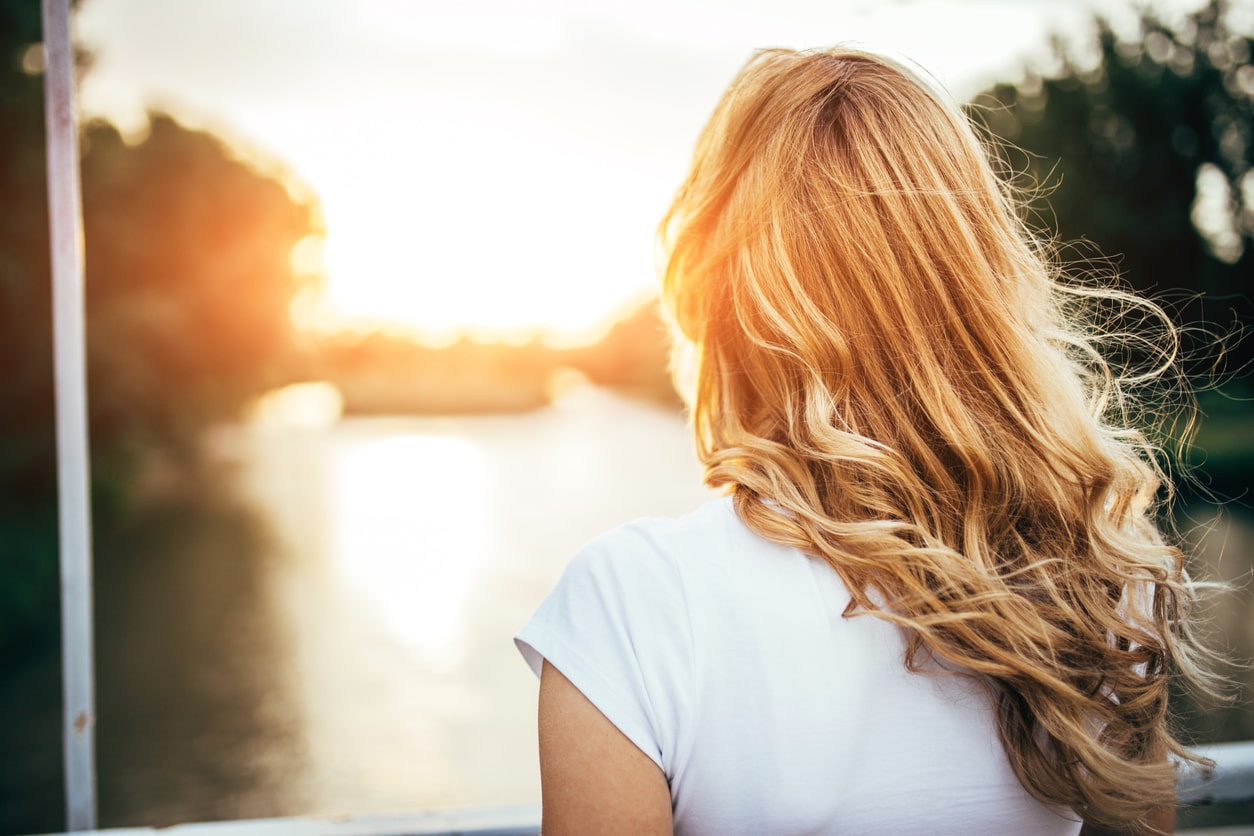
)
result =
(481, 217)
(411, 564)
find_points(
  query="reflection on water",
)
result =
(409, 534)
(325, 626)
(323, 623)
(399, 557)
(195, 718)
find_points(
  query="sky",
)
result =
(499, 166)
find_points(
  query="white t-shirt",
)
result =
(725, 658)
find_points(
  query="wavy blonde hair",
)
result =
(889, 374)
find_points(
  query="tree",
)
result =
(1146, 151)
(188, 283)
(189, 280)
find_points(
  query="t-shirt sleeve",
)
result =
(616, 625)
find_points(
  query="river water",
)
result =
(322, 622)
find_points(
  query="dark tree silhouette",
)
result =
(1145, 150)
(188, 283)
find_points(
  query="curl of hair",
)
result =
(890, 374)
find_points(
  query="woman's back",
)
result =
(725, 658)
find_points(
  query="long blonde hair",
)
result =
(890, 374)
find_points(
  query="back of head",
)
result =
(881, 353)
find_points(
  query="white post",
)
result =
(65, 223)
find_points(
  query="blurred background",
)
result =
(373, 347)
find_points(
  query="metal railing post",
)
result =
(69, 347)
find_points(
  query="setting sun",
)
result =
(476, 215)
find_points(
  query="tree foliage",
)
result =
(188, 285)
(1145, 148)
(189, 280)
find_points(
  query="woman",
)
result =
(935, 600)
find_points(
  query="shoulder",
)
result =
(655, 547)
(618, 625)
(628, 585)
(654, 561)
